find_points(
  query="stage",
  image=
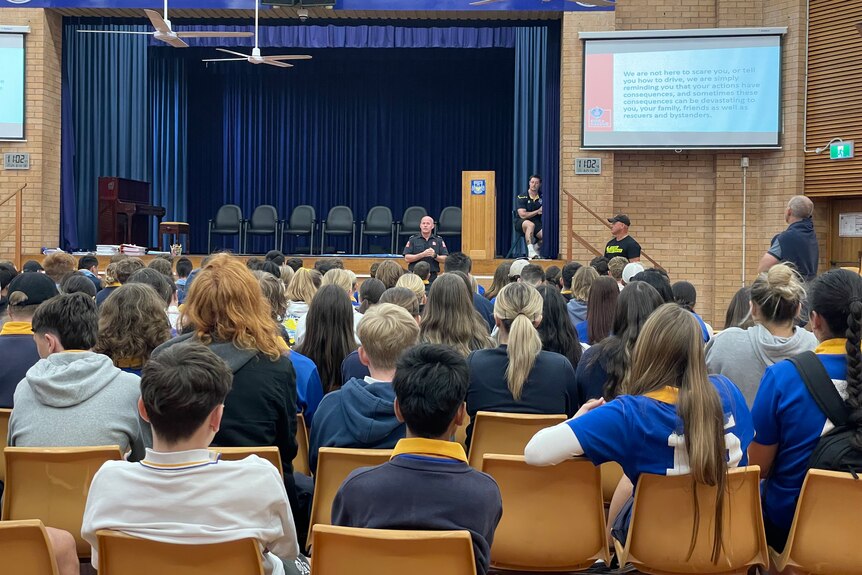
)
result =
(483, 270)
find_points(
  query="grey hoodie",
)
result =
(78, 399)
(742, 355)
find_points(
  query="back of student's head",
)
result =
(616, 265)
(273, 291)
(600, 264)
(275, 257)
(386, 331)
(556, 330)
(552, 275)
(582, 282)
(450, 317)
(778, 294)
(27, 291)
(304, 285)
(86, 262)
(184, 267)
(126, 267)
(329, 334)
(533, 275)
(422, 269)
(568, 273)
(180, 387)
(501, 278)
(155, 280)
(684, 294)
(58, 264)
(323, 265)
(294, 263)
(369, 294)
(71, 318)
(458, 262)
(430, 386)
(669, 352)
(519, 308)
(345, 279)
(402, 297)
(372, 271)
(74, 282)
(738, 312)
(657, 280)
(601, 308)
(132, 323)
(162, 266)
(414, 283)
(388, 273)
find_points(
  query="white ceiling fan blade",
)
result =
(483, 2)
(214, 34)
(172, 40)
(113, 32)
(157, 21)
(277, 63)
(595, 2)
(226, 51)
(291, 57)
(224, 59)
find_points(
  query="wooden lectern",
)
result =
(479, 214)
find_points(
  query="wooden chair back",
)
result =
(51, 484)
(663, 516)
(121, 554)
(343, 550)
(554, 518)
(5, 414)
(505, 433)
(300, 462)
(25, 548)
(268, 452)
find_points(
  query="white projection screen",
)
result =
(682, 89)
(11, 86)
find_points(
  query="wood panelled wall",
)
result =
(834, 97)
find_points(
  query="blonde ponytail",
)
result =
(519, 305)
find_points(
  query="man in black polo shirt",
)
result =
(622, 243)
(529, 207)
(797, 244)
(426, 247)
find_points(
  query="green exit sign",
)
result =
(841, 150)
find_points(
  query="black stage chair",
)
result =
(228, 222)
(339, 222)
(409, 224)
(264, 222)
(302, 222)
(449, 223)
(378, 222)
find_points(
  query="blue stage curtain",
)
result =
(107, 79)
(536, 125)
(68, 203)
(169, 103)
(357, 127)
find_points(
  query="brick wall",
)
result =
(41, 207)
(686, 208)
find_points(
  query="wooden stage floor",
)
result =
(360, 265)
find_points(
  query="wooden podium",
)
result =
(479, 214)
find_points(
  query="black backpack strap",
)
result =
(820, 386)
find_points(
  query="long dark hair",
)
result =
(835, 296)
(328, 335)
(635, 304)
(556, 330)
(601, 308)
(738, 310)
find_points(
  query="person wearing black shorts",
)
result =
(622, 243)
(529, 208)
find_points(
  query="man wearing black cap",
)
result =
(17, 347)
(7, 274)
(622, 244)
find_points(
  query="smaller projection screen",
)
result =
(682, 89)
(11, 86)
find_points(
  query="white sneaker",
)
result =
(531, 252)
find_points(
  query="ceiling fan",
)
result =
(165, 33)
(255, 57)
(587, 3)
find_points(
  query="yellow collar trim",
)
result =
(128, 363)
(433, 447)
(114, 284)
(835, 346)
(17, 328)
(566, 292)
(667, 394)
(426, 282)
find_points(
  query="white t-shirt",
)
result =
(193, 497)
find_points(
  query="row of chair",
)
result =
(339, 221)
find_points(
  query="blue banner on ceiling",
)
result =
(407, 5)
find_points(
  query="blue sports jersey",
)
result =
(785, 413)
(645, 435)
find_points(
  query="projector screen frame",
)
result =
(779, 31)
(20, 31)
